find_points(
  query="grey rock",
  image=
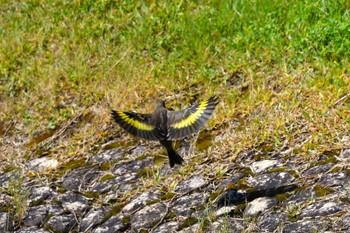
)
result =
(112, 225)
(40, 194)
(132, 166)
(317, 170)
(140, 201)
(137, 151)
(35, 216)
(192, 229)
(125, 173)
(270, 180)
(49, 209)
(80, 178)
(226, 210)
(61, 223)
(322, 209)
(191, 184)
(54, 209)
(92, 218)
(345, 154)
(5, 178)
(186, 205)
(148, 216)
(167, 227)
(300, 197)
(5, 200)
(42, 164)
(232, 180)
(125, 188)
(201, 213)
(259, 205)
(344, 223)
(227, 224)
(304, 226)
(74, 202)
(31, 230)
(113, 184)
(113, 155)
(263, 165)
(6, 222)
(323, 157)
(270, 221)
(335, 179)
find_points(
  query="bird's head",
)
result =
(160, 103)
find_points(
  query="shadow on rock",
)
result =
(234, 197)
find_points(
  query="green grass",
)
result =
(281, 69)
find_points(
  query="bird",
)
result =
(166, 126)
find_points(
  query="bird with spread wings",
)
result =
(166, 126)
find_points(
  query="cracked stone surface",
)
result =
(113, 224)
(185, 206)
(230, 181)
(270, 180)
(92, 218)
(259, 205)
(36, 216)
(335, 179)
(167, 227)
(345, 155)
(319, 169)
(63, 223)
(226, 210)
(113, 184)
(40, 194)
(305, 226)
(132, 167)
(191, 184)
(227, 225)
(6, 222)
(74, 202)
(322, 209)
(32, 230)
(302, 196)
(140, 202)
(5, 178)
(113, 155)
(42, 164)
(148, 216)
(79, 179)
(344, 223)
(271, 221)
(264, 165)
(191, 229)
(123, 190)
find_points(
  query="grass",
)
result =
(19, 194)
(281, 69)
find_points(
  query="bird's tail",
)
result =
(174, 158)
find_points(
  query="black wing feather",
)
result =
(188, 121)
(137, 124)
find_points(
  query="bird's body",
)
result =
(166, 126)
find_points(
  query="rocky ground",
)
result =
(256, 192)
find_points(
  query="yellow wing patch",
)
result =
(135, 123)
(191, 119)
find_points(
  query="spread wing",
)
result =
(190, 120)
(137, 124)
